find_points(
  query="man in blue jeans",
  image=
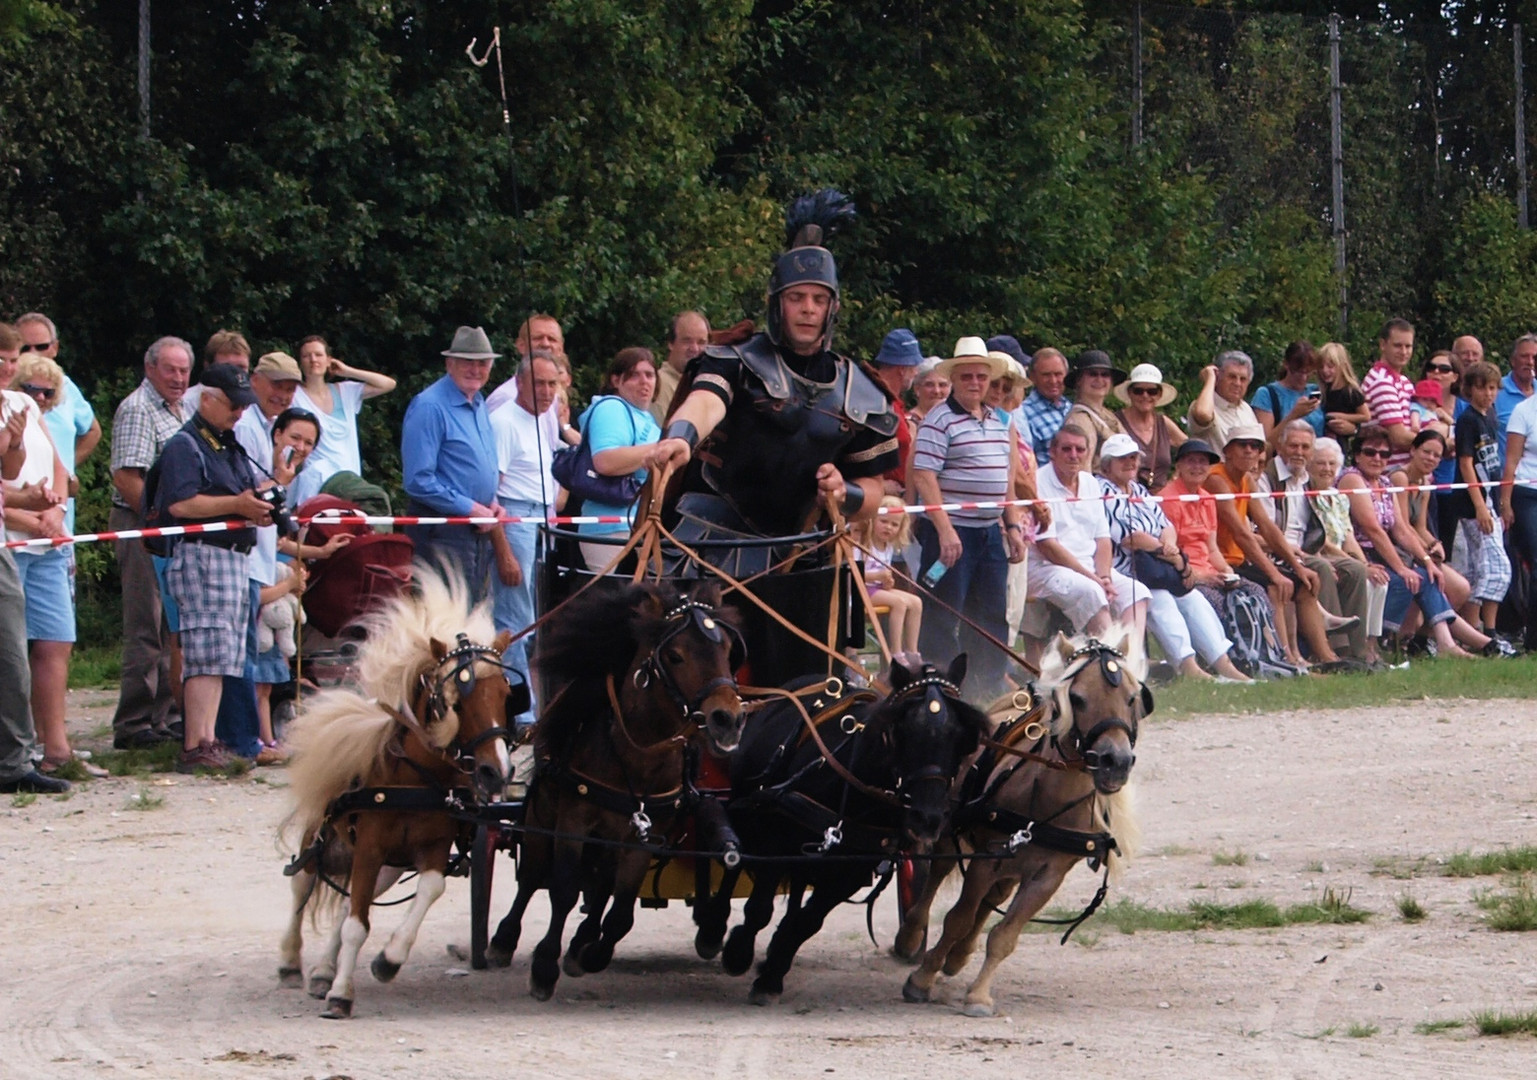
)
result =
(527, 431)
(964, 454)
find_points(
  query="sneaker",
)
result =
(34, 782)
(203, 756)
(272, 755)
(1498, 646)
(142, 739)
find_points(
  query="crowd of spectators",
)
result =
(1279, 505)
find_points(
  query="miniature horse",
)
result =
(1053, 805)
(638, 675)
(372, 784)
(882, 786)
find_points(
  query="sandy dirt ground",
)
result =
(144, 943)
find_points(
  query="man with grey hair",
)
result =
(1519, 384)
(143, 424)
(39, 335)
(1222, 404)
(1468, 350)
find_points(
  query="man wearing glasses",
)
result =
(448, 458)
(73, 411)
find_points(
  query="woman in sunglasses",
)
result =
(1415, 596)
(1158, 436)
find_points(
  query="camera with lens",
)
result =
(275, 497)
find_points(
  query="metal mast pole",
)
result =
(1136, 76)
(144, 68)
(1520, 134)
(1337, 169)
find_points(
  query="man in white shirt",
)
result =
(1221, 405)
(527, 433)
(1074, 573)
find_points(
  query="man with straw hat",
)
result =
(448, 461)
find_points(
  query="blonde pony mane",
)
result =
(337, 740)
(401, 631)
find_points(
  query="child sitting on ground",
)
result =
(883, 540)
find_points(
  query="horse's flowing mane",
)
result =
(400, 633)
(340, 736)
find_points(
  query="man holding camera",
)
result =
(204, 476)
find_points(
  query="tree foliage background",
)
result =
(341, 168)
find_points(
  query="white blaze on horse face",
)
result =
(503, 759)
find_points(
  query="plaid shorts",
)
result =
(211, 590)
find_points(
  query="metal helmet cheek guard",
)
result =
(808, 220)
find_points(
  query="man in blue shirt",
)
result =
(1042, 412)
(448, 456)
(1519, 384)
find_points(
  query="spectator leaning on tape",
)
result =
(204, 476)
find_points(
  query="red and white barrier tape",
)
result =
(613, 519)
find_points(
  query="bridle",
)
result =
(936, 689)
(707, 622)
(457, 669)
(1112, 669)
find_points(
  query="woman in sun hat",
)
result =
(1157, 435)
(1089, 382)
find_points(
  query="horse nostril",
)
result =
(488, 778)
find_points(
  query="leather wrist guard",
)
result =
(853, 498)
(682, 429)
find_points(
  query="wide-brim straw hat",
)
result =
(1146, 375)
(1012, 368)
(973, 350)
(471, 343)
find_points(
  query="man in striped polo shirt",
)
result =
(1388, 390)
(964, 454)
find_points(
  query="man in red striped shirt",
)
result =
(1388, 390)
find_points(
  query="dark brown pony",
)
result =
(373, 778)
(1063, 803)
(636, 674)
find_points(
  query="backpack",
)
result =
(163, 546)
(1256, 648)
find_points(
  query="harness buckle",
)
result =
(1020, 838)
(641, 824)
(849, 725)
(831, 838)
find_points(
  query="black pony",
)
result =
(871, 781)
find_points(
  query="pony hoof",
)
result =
(291, 978)
(572, 966)
(977, 1009)
(595, 957)
(541, 991)
(707, 948)
(498, 958)
(762, 997)
(338, 1009)
(905, 954)
(383, 968)
(913, 993)
(736, 958)
(320, 986)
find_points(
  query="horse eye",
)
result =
(1077, 701)
(674, 656)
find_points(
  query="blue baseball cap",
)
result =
(900, 349)
(1009, 346)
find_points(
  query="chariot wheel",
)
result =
(482, 870)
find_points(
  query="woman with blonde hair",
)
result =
(882, 541)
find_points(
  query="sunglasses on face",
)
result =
(1374, 452)
(45, 392)
(1441, 369)
(1146, 391)
(37, 348)
(1099, 374)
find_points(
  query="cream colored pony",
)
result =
(432, 725)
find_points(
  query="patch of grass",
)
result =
(163, 758)
(1230, 858)
(1512, 910)
(1432, 679)
(1400, 868)
(95, 667)
(1314, 867)
(1324, 1034)
(23, 799)
(1432, 1027)
(1410, 909)
(146, 798)
(1332, 907)
(1520, 860)
(1129, 917)
(72, 770)
(1499, 1022)
(1362, 1031)
(1175, 849)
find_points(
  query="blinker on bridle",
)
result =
(707, 621)
(1112, 669)
(459, 663)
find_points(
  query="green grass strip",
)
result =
(1499, 1022)
(1505, 861)
(1129, 916)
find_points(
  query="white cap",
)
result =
(1119, 445)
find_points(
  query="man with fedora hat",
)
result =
(448, 461)
(895, 367)
(965, 454)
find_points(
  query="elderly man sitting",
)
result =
(1074, 572)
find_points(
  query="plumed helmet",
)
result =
(809, 220)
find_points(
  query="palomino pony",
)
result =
(374, 780)
(1053, 805)
(854, 777)
(638, 675)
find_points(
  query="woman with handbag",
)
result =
(1146, 548)
(617, 435)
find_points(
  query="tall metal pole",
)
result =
(144, 68)
(1520, 134)
(1136, 76)
(1337, 168)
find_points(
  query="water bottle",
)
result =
(932, 575)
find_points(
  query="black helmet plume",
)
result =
(809, 221)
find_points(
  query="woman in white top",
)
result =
(336, 404)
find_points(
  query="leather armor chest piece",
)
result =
(779, 430)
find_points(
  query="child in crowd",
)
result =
(1343, 404)
(883, 540)
(1478, 463)
(1428, 406)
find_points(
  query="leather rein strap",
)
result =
(833, 763)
